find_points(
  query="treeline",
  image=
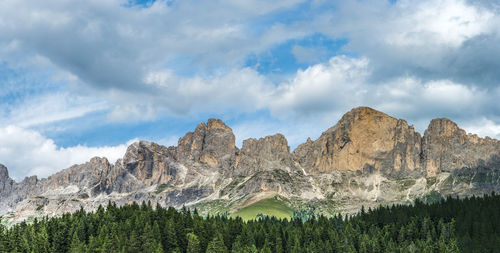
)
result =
(451, 225)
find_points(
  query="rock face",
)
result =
(149, 163)
(363, 140)
(210, 144)
(90, 176)
(270, 152)
(6, 183)
(367, 158)
(447, 147)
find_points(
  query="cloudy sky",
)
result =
(85, 78)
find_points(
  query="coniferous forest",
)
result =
(450, 225)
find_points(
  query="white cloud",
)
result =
(324, 92)
(321, 92)
(443, 22)
(239, 90)
(483, 127)
(424, 25)
(106, 44)
(321, 88)
(441, 96)
(48, 109)
(27, 152)
(111, 53)
(450, 94)
(444, 39)
(130, 57)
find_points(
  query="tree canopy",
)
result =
(450, 225)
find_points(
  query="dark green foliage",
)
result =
(449, 225)
(193, 245)
(217, 245)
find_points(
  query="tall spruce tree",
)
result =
(193, 245)
(217, 245)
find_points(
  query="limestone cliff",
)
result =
(270, 152)
(446, 147)
(367, 158)
(6, 183)
(363, 140)
(149, 163)
(211, 144)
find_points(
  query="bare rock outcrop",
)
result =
(368, 157)
(211, 144)
(149, 163)
(6, 183)
(89, 177)
(270, 152)
(363, 140)
(446, 147)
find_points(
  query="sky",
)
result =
(87, 78)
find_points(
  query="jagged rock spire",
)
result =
(212, 144)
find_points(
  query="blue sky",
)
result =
(86, 78)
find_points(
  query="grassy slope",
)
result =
(270, 206)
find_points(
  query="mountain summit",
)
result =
(368, 158)
(364, 140)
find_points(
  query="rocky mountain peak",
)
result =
(364, 139)
(99, 160)
(266, 146)
(443, 127)
(5, 181)
(4, 173)
(217, 124)
(212, 144)
(366, 156)
(363, 113)
(448, 147)
(148, 162)
(270, 152)
(137, 150)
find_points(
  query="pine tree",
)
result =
(133, 243)
(239, 248)
(107, 245)
(217, 245)
(193, 245)
(94, 245)
(278, 247)
(76, 245)
(158, 248)
(169, 237)
(296, 248)
(268, 246)
(148, 239)
(2, 237)
(42, 244)
(28, 237)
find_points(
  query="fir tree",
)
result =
(193, 245)
(217, 245)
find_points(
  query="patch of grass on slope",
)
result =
(270, 207)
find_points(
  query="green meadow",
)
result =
(269, 207)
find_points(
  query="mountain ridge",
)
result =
(366, 158)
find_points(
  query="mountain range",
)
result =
(367, 159)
